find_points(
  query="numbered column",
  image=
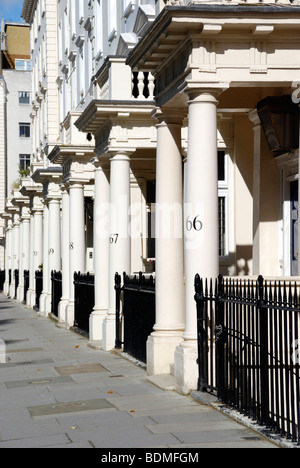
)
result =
(119, 238)
(45, 292)
(37, 247)
(65, 226)
(24, 251)
(8, 262)
(54, 246)
(169, 280)
(76, 243)
(201, 225)
(15, 253)
(101, 252)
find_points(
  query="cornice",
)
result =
(29, 7)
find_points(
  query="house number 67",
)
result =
(194, 224)
(114, 238)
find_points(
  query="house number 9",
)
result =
(195, 225)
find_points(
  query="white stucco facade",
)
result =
(176, 95)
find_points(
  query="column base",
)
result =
(70, 314)
(96, 324)
(32, 299)
(160, 352)
(20, 293)
(12, 290)
(48, 304)
(6, 288)
(28, 297)
(109, 333)
(186, 368)
(42, 303)
(62, 310)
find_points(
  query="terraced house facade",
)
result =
(166, 142)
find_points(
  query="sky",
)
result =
(10, 10)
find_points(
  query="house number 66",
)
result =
(194, 224)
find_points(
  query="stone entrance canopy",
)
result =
(220, 45)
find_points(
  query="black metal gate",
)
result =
(138, 313)
(26, 284)
(84, 300)
(17, 280)
(2, 280)
(56, 291)
(248, 343)
(38, 287)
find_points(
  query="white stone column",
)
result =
(24, 224)
(31, 261)
(169, 279)
(76, 243)
(21, 277)
(120, 242)
(15, 253)
(54, 246)
(37, 247)
(65, 234)
(45, 292)
(200, 223)
(8, 240)
(25, 247)
(101, 252)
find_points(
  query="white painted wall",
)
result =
(16, 113)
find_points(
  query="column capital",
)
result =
(120, 156)
(254, 117)
(169, 115)
(204, 92)
(101, 164)
(75, 184)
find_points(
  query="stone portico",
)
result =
(211, 61)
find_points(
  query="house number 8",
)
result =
(195, 225)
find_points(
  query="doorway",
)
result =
(294, 227)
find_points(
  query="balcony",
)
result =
(116, 82)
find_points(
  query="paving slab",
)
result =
(58, 391)
(35, 382)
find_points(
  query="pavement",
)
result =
(58, 392)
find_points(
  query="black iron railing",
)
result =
(38, 287)
(26, 284)
(248, 343)
(17, 280)
(56, 291)
(2, 280)
(138, 313)
(84, 300)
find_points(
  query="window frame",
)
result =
(223, 192)
(26, 125)
(20, 97)
(24, 160)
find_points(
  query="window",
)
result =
(22, 65)
(24, 130)
(112, 19)
(223, 203)
(24, 160)
(24, 97)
